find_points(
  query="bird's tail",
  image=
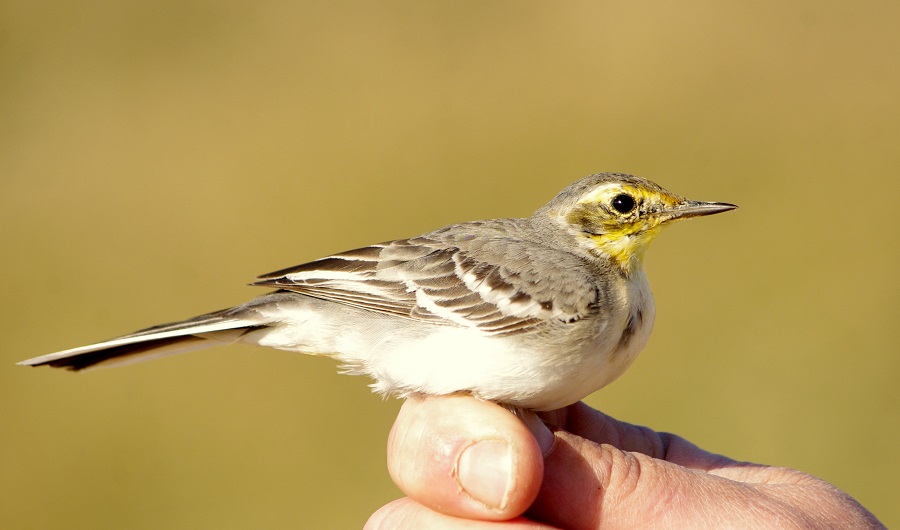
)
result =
(211, 329)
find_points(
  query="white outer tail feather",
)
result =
(165, 341)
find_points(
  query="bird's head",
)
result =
(616, 216)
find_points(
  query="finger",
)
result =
(406, 514)
(589, 485)
(464, 457)
(593, 425)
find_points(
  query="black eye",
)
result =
(623, 203)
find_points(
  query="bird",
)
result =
(533, 313)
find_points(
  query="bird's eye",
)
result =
(623, 203)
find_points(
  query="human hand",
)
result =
(470, 464)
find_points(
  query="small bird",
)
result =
(532, 313)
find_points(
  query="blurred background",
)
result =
(156, 156)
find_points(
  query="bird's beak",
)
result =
(687, 208)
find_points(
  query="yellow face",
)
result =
(620, 219)
(615, 216)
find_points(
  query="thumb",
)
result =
(464, 457)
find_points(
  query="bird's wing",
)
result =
(496, 284)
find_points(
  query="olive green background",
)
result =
(156, 156)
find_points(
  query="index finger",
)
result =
(593, 425)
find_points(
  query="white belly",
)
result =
(560, 366)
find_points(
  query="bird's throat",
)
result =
(625, 249)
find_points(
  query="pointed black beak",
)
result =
(697, 208)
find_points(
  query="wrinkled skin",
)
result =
(469, 464)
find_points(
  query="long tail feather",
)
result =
(167, 339)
